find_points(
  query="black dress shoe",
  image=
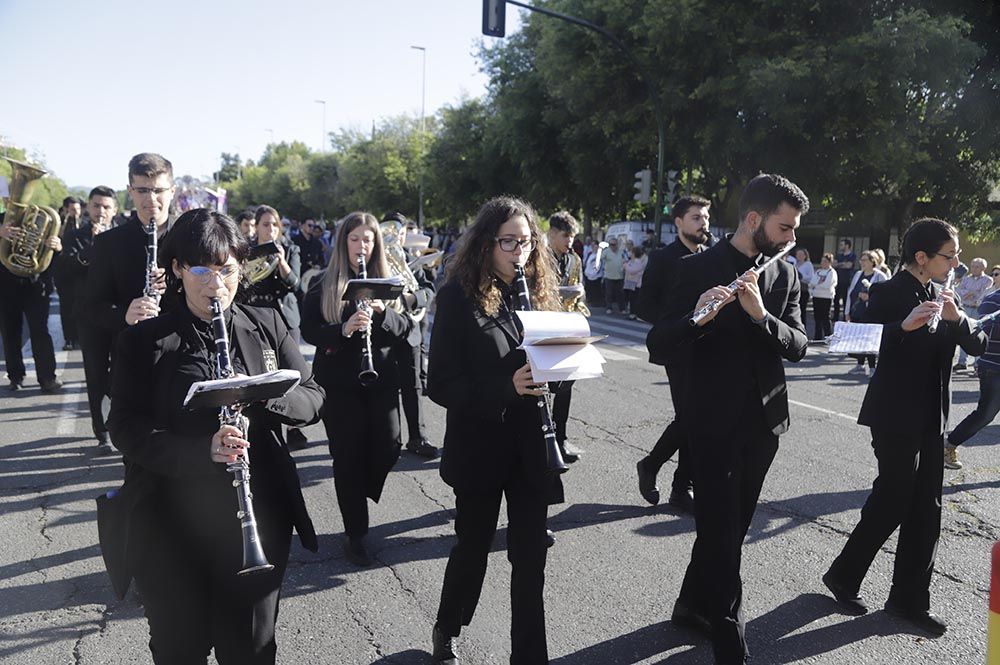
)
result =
(423, 448)
(682, 499)
(444, 648)
(357, 553)
(51, 386)
(569, 453)
(686, 617)
(550, 538)
(923, 619)
(848, 598)
(647, 484)
(296, 439)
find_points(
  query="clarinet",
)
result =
(932, 323)
(713, 305)
(553, 456)
(149, 290)
(253, 554)
(367, 376)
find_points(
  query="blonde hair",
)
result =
(339, 269)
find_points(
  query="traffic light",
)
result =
(671, 184)
(494, 18)
(643, 185)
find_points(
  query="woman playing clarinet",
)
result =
(494, 445)
(184, 541)
(907, 407)
(362, 424)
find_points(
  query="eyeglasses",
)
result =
(228, 274)
(995, 274)
(950, 258)
(150, 190)
(509, 244)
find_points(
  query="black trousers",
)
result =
(821, 315)
(412, 365)
(561, 398)
(68, 289)
(19, 300)
(673, 440)
(192, 597)
(96, 345)
(729, 471)
(475, 525)
(840, 298)
(362, 426)
(906, 494)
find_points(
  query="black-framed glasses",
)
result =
(509, 244)
(150, 190)
(228, 274)
(950, 258)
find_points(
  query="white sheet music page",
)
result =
(863, 338)
(560, 347)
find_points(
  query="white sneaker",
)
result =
(858, 369)
(870, 371)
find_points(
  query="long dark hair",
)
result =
(472, 265)
(201, 237)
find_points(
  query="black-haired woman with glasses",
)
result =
(907, 407)
(493, 444)
(184, 542)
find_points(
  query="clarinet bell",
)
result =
(254, 560)
(368, 377)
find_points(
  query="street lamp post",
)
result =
(322, 143)
(423, 99)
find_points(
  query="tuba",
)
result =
(395, 254)
(28, 255)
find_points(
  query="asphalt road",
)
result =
(612, 577)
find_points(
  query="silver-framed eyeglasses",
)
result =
(509, 244)
(228, 274)
(150, 190)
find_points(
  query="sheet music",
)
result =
(863, 338)
(559, 346)
(246, 384)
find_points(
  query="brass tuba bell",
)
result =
(28, 255)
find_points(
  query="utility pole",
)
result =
(423, 99)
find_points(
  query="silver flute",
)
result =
(935, 320)
(714, 304)
(254, 559)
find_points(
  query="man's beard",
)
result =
(764, 244)
(698, 238)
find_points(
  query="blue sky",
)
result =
(95, 82)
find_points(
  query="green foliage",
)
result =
(49, 191)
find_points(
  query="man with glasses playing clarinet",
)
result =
(736, 399)
(117, 279)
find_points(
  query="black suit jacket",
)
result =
(731, 359)
(168, 447)
(117, 275)
(910, 393)
(492, 432)
(657, 280)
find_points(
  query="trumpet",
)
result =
(553, 457)
(935, 320)
(254, 559)
(713, 305)
(367, 376)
